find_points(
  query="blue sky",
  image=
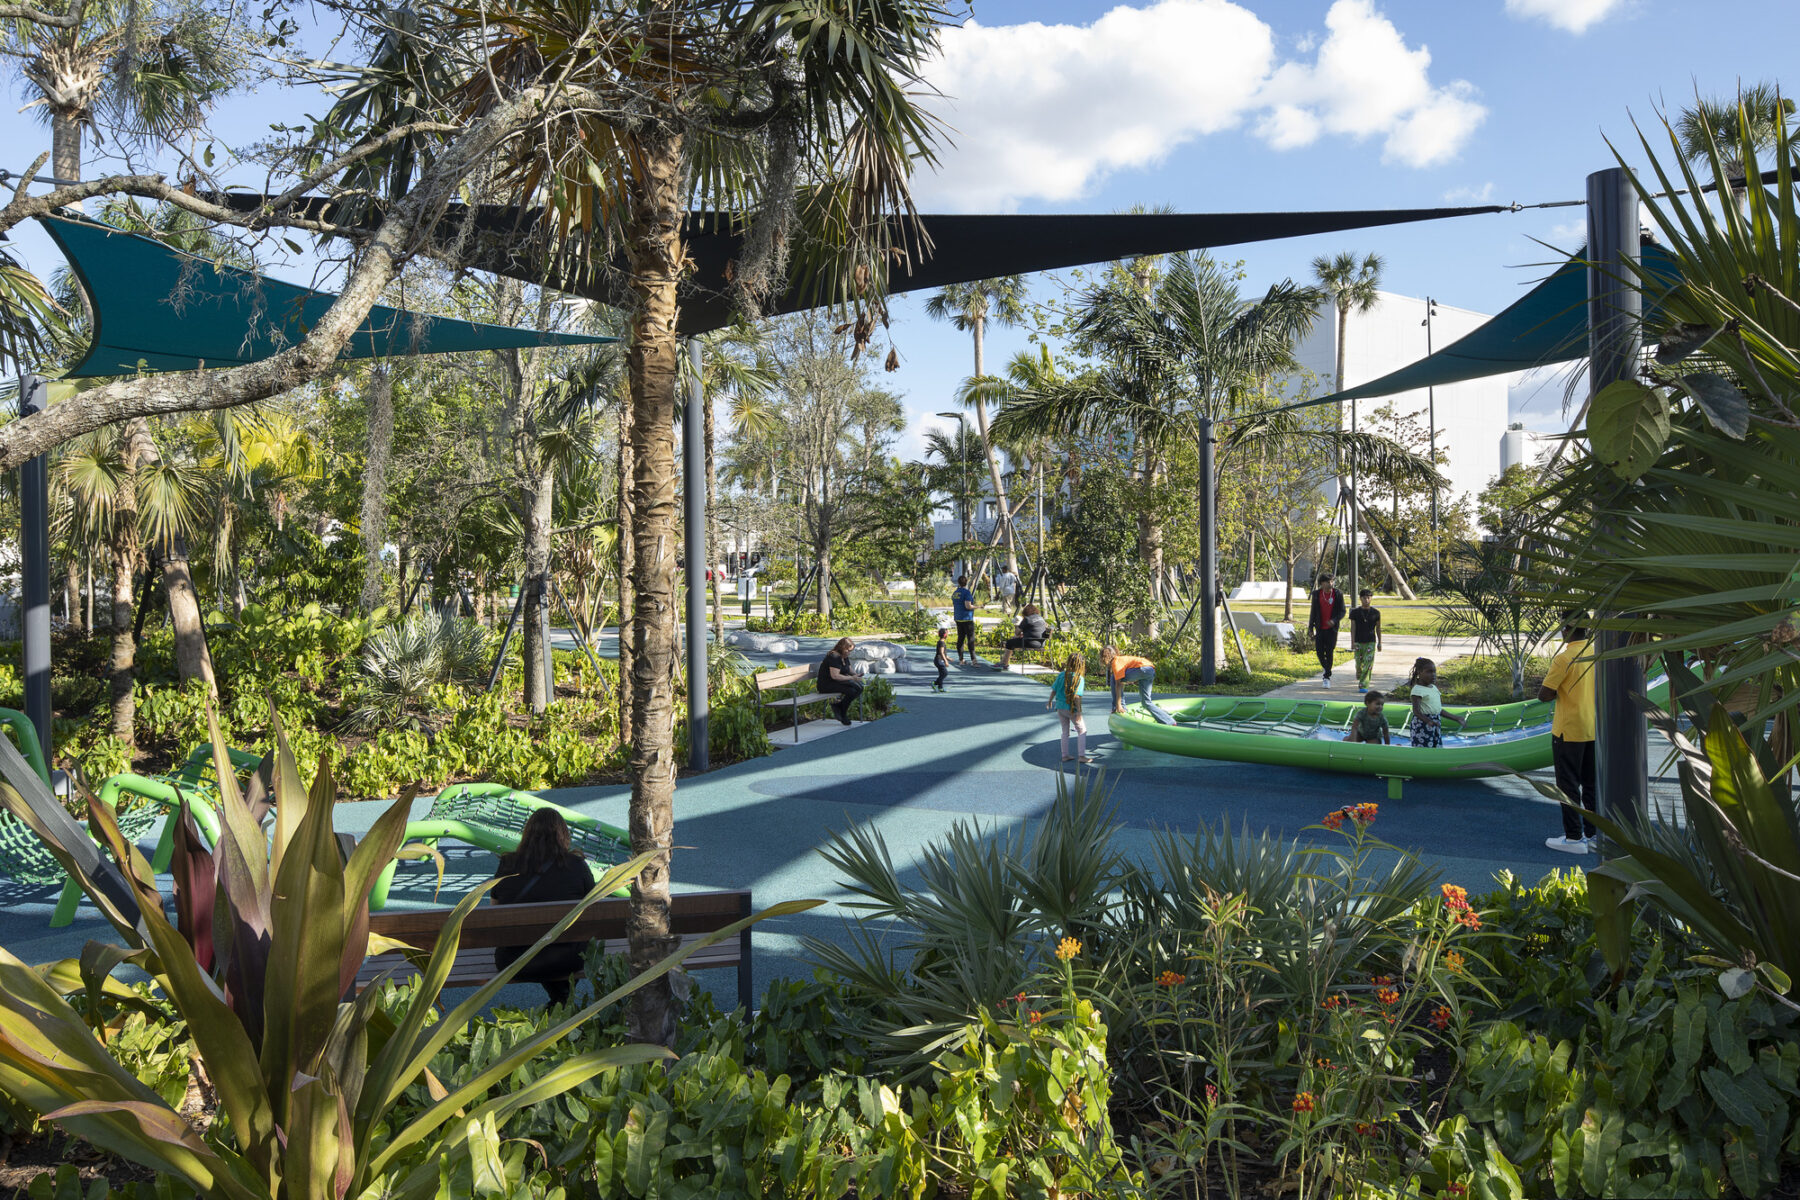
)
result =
(1209, 105)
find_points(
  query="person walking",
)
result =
(1570, 685)
(1322, 621)
(1365, 638)
(836, 678)
(1065, 698)
(962, 603)
(941, 660)
(1006, 586)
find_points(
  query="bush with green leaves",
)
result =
(406, 665)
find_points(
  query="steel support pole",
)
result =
(693, 455)
(34, 570)
(1621, 748)
(549, 656)
(1437, 557)
(1209, 557)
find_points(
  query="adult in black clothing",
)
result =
(543, 868)
(1034, 631)
(1322, 622)
(836, 678)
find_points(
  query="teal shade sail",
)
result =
(1546, 325)
(157, 309)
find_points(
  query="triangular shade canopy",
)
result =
(963, 247)
(1546, 325)
(157, 309)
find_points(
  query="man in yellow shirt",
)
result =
(1570, 684)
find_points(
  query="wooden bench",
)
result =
(779, 678)
(692, 915)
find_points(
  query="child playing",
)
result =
(1065, 698)
(1370, 725)
(1365, 637)
(942, 660)
(1122, 669)
(1427, 705)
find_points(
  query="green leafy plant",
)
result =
(261, 963)
(405, 663)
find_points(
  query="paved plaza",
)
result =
(984, 750)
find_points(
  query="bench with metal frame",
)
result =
(692, 915)
(780, 678)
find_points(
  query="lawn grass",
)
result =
(1397, 615)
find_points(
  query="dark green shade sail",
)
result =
(1546, 325)
(157, 309)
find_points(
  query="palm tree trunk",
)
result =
(192, 660)
(626, 548)
(374, 484)
(71, 588)
(540, 500)
(126, 551)
(987, 446)
(656, 257)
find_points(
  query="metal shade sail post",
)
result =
(34, 570)
(1209, 556)
(693, 457)
(1622, 738)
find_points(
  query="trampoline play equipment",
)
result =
(1294, 732)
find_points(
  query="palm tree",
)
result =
(971, 306)
(950, 473)
(734, 361)
(1186, 345)
(719, 105)
(1353, 286)
(1737, 130)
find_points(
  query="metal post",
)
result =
(34, 569)
(1209, 558)
(1622, 733)
(1355, 510)
(1437, 556)
(549, 658)
(693, 453)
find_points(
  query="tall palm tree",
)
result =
(971, 307)
(722, 105)
(1354, 287)
(1721, 134)
(734, 362)
(954, 455)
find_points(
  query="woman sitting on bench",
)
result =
(543, 868)
(835, 678)
(1034, 631)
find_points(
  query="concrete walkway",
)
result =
(1393, 665)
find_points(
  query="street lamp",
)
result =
(962, 452)
(1431, 419)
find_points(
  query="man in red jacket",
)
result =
(1322, 622)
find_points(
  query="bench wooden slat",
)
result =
(692, 915)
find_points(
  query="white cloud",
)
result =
(1046, 111)
(1468, 194)
(1572, 16)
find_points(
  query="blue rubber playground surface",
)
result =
(986, 750)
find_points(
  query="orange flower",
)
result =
(1381, 980)
(1441, 1018)
(1387, 995)
(1324, 1064)
(1364, 814)
(1036, 1017)
(1333, 820)
(1067, 948)
(1469, 919)
(1170, 979)
(1303, 1102)
(1332, 1002)
(1364, 1129)
(1456, 899)
(1454, 961)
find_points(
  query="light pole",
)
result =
(1437, 558)
(962, 452)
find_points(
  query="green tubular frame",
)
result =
(490, 815)
(1274, 731)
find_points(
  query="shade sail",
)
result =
(962, 247)
(1546, 325)
(157, 309)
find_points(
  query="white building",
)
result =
(1469, 417)
(1522, 447)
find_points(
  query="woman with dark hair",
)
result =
(543, 868)
(1034, 631)
(836, 679)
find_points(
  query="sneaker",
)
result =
(1567, 845)
(1362, 690)
(1326, 682)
